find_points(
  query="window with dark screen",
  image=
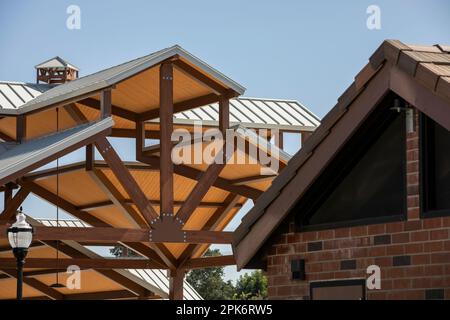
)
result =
(435, 145)
(366, 180)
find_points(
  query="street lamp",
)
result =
(20, 235)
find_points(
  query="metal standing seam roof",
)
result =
(20, 156)
(108, 77)
(56, 62)
(245, 111)
(156, 278)
(14, 95)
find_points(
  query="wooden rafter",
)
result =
(11, 209)
(126, 180)
(115, 110)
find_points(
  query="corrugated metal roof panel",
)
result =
(30, 152)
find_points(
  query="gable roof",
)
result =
(419, 74)
(56, 62)
(249, 112)
(111, 76)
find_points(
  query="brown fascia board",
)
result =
(273, 206)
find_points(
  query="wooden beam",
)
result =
(131, 133)
(182, 106)
(126, 180)
(105, 103)
(123, 235)
(208, 262)
(166, 129)
(224, 114)
(115, 110)
(106, 295)
(205, 182)
(21, 128)
(75, 113)
(194, 174)
(117, 198)
(108, 203)
(200, 77)
(252, 179)
(6, 137)
(176, 281)
(11, 210)
(83, 263)
(36, 284)
(7, 195)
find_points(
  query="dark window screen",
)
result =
(437, 170)
(366, 180)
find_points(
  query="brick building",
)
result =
(371, 186)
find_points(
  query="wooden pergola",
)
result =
(168, 214)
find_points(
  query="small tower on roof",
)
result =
(55, 70)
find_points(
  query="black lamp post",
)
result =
(20, 235)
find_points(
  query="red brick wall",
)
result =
(413, 255)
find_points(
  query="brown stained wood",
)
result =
(7, 195)
(140, 137)
(252, 179)
(204, 183)
(208, 262)
(304, 136)
(125, 235)
(105, 103)
(166, 129)
(115, 110)
(21, 128)
(13, 205)
(38, 285)
(182, 106)
(116, 198)
(107, 295)
(200, 77)
(131, 133)
(176, 279)
(108, 203)
(75, 113)
(224, 114)
(220, 214)
(126, 180)
(83, 263)
(194, 174)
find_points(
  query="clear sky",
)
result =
(309, 51)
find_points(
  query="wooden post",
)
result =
(176, 284)
(21, 128)
(279, 141)
(7, 194)
(166, 128)
(140, 137)
(105, 103)
(304, 135)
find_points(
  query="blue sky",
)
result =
(309, 51)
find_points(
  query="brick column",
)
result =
(412, 170)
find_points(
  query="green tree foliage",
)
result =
(209, 282)
(210, 285)
(251, 286)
